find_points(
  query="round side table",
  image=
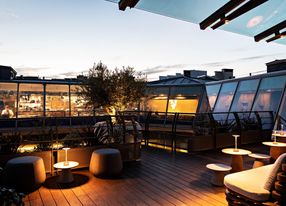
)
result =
(236, 158)
(259, 159)
(276, 149)
(219, 171)
(66, 175)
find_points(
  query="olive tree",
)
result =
(113, 90)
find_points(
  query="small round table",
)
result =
(236, 158)
(219, 171)
(276, 149)
(258, 159)
(66, 175)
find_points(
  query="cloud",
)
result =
(224, 63)
(73, 74)
(32, 71)
(163, 68)
(8, 14)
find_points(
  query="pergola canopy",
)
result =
(254, 18)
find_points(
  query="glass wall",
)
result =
(156, 99)
(244, 96)
(282, 113)
(8, 100)
(212, 92)
(269, 94)
(57, 100)
(225, 97)
(156, 104)
(31, 100)
(78, 104)
(183, 105)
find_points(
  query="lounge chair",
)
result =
(256, 186)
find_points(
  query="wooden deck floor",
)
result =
(160, 178)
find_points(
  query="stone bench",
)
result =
(24, 173)
(219, 171)
(106, 162)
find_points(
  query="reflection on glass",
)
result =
(212, 92)
(79, 106)
(8, 95)
(31, 100)
(282, 111)
(57, 100)
(225, 97)
(244, 96)
(269, 94)
(224, 100)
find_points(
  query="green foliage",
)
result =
(117, 89)
(10, 196)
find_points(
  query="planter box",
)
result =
(129, 152)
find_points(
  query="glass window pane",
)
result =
(31, 100)
(78, 104)
(8, 96)
(225, 97)
(269, 94)
(183, 105)
(212, 92)
(57, 100)
(156, 104)
(244, 96)
(282, 112)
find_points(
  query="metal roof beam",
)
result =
(273, 30)
(123, 4)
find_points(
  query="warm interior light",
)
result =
(57, 145)
(27, 148)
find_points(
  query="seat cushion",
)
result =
(269, 184)
(250, 183)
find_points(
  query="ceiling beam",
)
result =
(123, 4)
(273, 30)
(238, 12)
(220, 13)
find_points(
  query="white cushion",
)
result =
(250, 183)
(269, 184)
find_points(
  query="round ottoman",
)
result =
(106, 162)
(24, 173)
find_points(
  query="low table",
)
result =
(219, 171)
(276, 149)
(236, 158)
(259, 159)
(66, 175)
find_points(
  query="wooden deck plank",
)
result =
(46, 196)
(71, 197)
(185, 176)
(161, 178)
(59, 197)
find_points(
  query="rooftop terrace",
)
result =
(160, 178)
